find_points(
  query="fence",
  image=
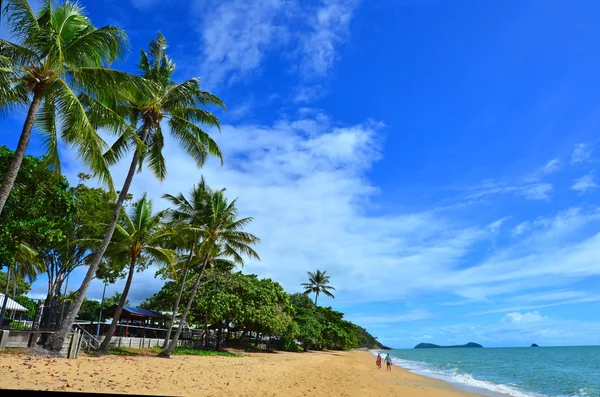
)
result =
(37, 316)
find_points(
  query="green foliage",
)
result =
(23, 286)
(197, 352)
(92, 208)
(181, 351)
(114, 300)
(89, 310)
(163, 299)
(27, 303)
(17, 325)
(318, 283)
(325, 328)
(256, 305)
(35, 210)
(59, 56)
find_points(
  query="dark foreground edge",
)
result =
(20, 392)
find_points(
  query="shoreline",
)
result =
(424, 372)
(318, 374)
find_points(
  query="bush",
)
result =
(291, 346)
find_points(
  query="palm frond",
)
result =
(104, 45)
(156, 160)
(78, 131)
(46, 120)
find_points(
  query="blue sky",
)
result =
(439, 159)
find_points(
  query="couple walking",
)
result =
(388, 362)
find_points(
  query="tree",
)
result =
(91, 209)
(309, 327)
(23, 286)
(188, 216)
(140, 234)
(58, 60)
(222, 236)
(317, 284)
(89, 310)
(114, 300)
(33, 216)
(163, 99)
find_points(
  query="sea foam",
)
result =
(466, 381)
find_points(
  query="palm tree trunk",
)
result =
(119, 310)
(176, 305)
(316, 297)
(3, 310)
(12, 314)
(15, 164)
(167, 352)
(55, 342)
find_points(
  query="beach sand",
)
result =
(314, 374)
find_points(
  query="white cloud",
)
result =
(532, 191)
(238, 35)
(585, 183)
(581, 153)
(329, 28)
(529, 317)
(539, 191)
(496, 225)
(551, 166)
(521, 228)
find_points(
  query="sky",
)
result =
(439, 159)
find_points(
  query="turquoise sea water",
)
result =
(517, 372)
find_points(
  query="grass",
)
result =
(179, 351)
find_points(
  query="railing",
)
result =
(89, 340)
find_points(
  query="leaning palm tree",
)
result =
(317, 284)
(139, 233)
(58, 58)
(221, 237)
(180, 105)
(188, 216)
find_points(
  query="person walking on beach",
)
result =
(388, 362)
(378, 361)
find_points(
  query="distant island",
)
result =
(432, 346)
(534, 345)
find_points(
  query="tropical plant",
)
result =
(57, 61)
(180, 104)
(189, 216)
(91, 209)
(33, 217)
(27, 266)
(140, 235)
(318, 284)
(222, 236)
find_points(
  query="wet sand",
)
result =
(315, 374)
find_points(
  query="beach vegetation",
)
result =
(57, 58)
(139, 120)
(318, 283)
(57, 68)
(139, 240)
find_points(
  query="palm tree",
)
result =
(187, 216)
(163, 99)
(139, 233)
(58, 60)
(27, 265)
(317, 284)
(222, 237)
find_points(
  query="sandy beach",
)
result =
(318, 374)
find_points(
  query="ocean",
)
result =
(517, 372)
